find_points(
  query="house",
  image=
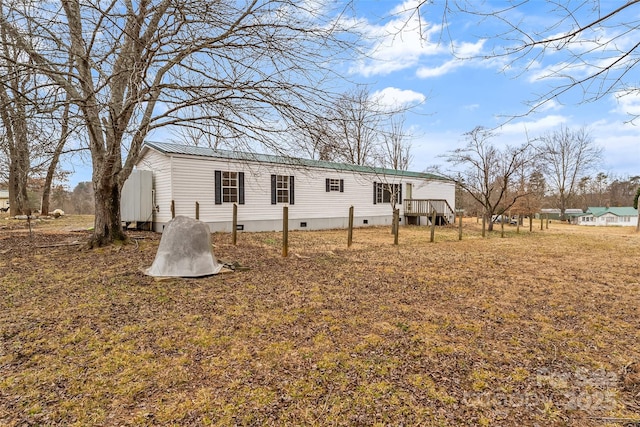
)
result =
(620, 216)
(4, 200)
(570, 214)
(206, 183)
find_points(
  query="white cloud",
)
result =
(533, 127)
(550, 105)
(427, 72)
(620, 143)
(628, 102)
(394, 97)
(399, 43)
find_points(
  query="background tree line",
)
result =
(555, 170)
(102, 76)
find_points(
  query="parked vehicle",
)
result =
(497, 219)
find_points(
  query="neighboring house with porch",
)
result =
(625, 216)
(570, 214)
(206, 183)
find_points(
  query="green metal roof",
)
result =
(190, 150)
(618, 211)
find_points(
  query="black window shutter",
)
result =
(342, 185)
(327, 185)
(241, 188)
(375, 187)
(291, 193)
(274, 200)
(399, 194)
(218, 191)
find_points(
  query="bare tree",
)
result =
(314, 139)
(358, 129)
(34, 130)
(586, 45)
(354, 126)
(395, 154)
(566, 157)
(530, 188)
(621, 190)
(489, 173)
(140, 66)
(396, 146)
(15, 109)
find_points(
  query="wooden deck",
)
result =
(425, 207)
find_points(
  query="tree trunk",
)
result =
(48, 181)
(18, 177)
(108, 227)
(563, 206)
(15, 124)
(489, 220)
(46, 191)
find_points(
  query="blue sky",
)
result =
(457, 95)
(462, 94)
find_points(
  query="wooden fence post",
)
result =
(530, 223)
(396, 226)
(197, 210)
(234, 224)
(460, 226)
(285, 231)
(518, 224)
(502, 226)
(350, 232)
(173, 209)
(541, 222)
(433, 226)
(547, 221)
(484, 225)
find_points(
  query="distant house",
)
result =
(318, 193)
(603, 216)
(570, 214)
(4, 199)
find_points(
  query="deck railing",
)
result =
(425, 207)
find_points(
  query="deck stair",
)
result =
(425, 207)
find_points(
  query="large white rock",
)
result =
(184, 250)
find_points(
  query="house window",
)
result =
(282, 189)
(334, 184)
(382, 193)
(229, 187)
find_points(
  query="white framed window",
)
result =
(229, 187)
(334, 184)
(383, 192)
(282, 188)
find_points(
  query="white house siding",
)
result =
(609, 220)
(587, 220)
(4, 199)
(190, 179)
(160, 165)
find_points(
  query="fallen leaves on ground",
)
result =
(536, 328)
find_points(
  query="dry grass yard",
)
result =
(534, 329)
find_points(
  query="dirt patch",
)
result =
(537, 328)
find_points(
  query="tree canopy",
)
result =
(252, 68)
